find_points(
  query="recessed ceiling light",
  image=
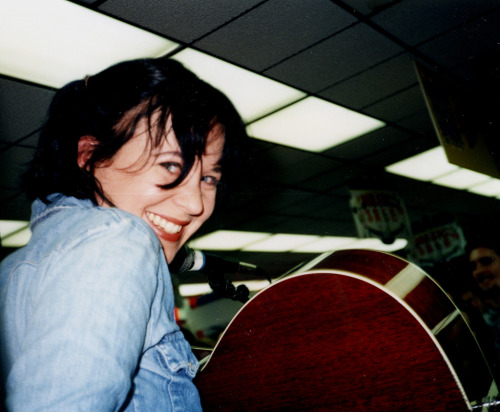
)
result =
(14, 233)
(325, 244)
(198, 289)
(432, 166)
(313, 124)
(52, 42)
(7, 227)
(489, 188)
(280, 243)
(227, 240)
(425, 166)
(253, 95)
(377, 244)
(329, 243)
(461, 179)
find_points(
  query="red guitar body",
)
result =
(352, 330)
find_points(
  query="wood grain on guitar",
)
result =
(357, 330)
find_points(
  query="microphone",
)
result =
(214, 267)
(189, 260)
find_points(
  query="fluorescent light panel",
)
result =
(425, 166)
(461, 179)
(14, 233)
(432, 166)
(52, 42)
(17, 234)
(325, 244)
(489, 188)
(253, 95)
(7, 227)
(227, 240)
(313, 124)
(377, 244)
(280, 243)
(197, 289)
(18, 239)
(236, 240)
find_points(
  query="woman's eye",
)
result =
(172, 167)
(211, 180)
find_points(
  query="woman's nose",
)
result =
(188, 195)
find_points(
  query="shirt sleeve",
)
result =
(87, 326)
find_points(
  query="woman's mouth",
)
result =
(163, 224)
(165, 229)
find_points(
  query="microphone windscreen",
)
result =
(183, 261)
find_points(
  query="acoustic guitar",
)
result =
(351, 330)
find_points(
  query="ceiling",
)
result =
(355, 53)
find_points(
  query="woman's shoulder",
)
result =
(75, 222)
(114, 222)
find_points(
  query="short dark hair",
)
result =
(487, 240)
(110, 104)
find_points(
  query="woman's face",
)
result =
(132, 180)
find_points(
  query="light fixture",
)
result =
(489, 188)
(14, 233)
(198, 289)
(424, 166)
(461, 179)
(280, 243)
(252, 94)
(227, 240)
(377, 244)
(52, 42)
(325, 244)
(285, 242)
(432, 166)
(313, 124)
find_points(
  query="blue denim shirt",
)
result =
(87, 316)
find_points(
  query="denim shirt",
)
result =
(87, 316)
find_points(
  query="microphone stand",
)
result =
(226, 289)
(186, 259)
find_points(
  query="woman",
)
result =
(127, 170)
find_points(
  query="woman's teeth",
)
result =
(164, 224)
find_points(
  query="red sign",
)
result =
(439, 244)
(379, 214)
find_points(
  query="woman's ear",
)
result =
(86, 147)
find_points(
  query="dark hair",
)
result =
(484, 241)
(109, 105)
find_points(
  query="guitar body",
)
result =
(354, 330)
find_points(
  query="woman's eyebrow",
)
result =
(169, 152)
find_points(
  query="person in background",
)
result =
(128, 168)
(485, 266)
(484, 258)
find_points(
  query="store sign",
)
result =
(379, 214)
(438, 245)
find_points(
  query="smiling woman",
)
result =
(142, 184)
(127, 170)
